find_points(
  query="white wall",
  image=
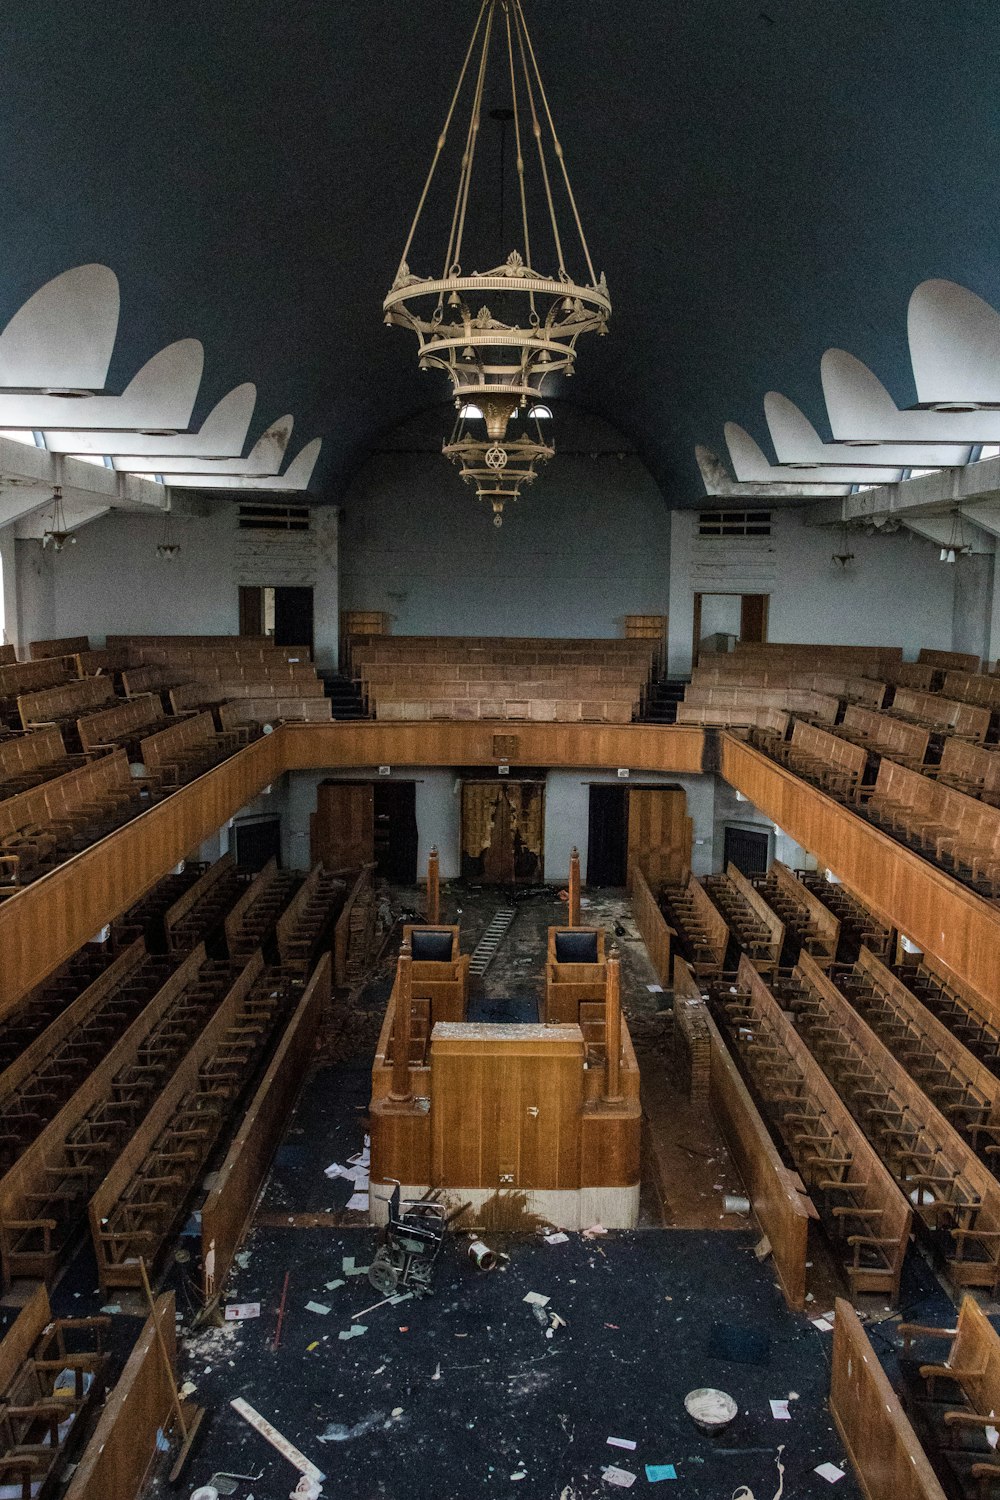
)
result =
(111, 582)
(895, 592)
(974, 583)
(588, 543)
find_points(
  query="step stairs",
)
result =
(346, 701)
(485, 950)
(661, 700)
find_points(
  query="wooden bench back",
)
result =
(29, 752)
(758, 905)
(824, 922)
(66, 702)
(31, 676)
(67, 645)
(959, 661)
(887, 735)
(158, 749)
(138, 680)
(115, 723)
(186, 903)
(63, 795)
(943, 713)
(833, 749)
(973, 687)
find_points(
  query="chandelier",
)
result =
(58, 535)
(500, 333)
(497, 470)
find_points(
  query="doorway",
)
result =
(342, 829)
(284, 613)
(255, 842)
(395, 828)
(747, 848)
(721, 619)
(607, 835)
(503, 830)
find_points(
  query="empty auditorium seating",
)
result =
(808, 921)
(698, 925)
(759, 932)
(26, 760)
(305, 928)
(251, 922)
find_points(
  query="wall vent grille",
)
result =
(734, 523)
(274, 518)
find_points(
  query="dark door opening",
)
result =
(747, 849)
(256, 842)
(396, 831)
(607, 836)
(293, 617)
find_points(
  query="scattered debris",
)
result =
(482, 1256)
(535, 1299)
(593, 1232)
(614, 1442)
(354, 1332)
(780, 1412)
(735, 1203)
(623, 1478)
(556, 1239)
(317, 1307)
(237, 1311)
(656, 1472)
(829, 1472)
(762, 1249)
(273, 1436)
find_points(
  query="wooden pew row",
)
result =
(182, 752)
(23, 1020)
(26, 760)
(66, 645)
(66, 703)
(815, 927)
(900, 739)
(121, 724)
(820, 657)
(726, 672)
(823, 757)
(44, 1418)
(17, 677)
(820, 706)
(199, 910)
(759, 932)
(146, 1190)
(258, 711)
(973, 687)
(958, 1006)
(563, 686)
(537, 710)
(653, 927)
(857, 1199)
(884, 1450)
(952, 1191)
(305, 928)
(959, 661)
(246, 647)
(960, 833)
(8, 655)
(778, 1196)
(968, 768)
(139, 1409)
(251, 922)
(955, 1398)
(43, 1196)
(374, 674)
(965, 1091)
(228, 1209)
(774, 721)
(47, 824)
(99, 663)
(499, 648)
(942, 714)
(138, 680)
(352, 918)
(859, 925)
(692, 916)
(912, 674)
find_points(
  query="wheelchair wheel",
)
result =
(383, 1275)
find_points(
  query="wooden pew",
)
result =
(43, 1418)
(198, 911)
(826, 758)
(884, 1450)
(943, 714)
(959, 1007)
(961, 833)
(774, 721)
(228, 1209)
(903, 741)
(182, 752)
(99, 663)
(965, 1091)
(26, 760)
(968, 768)
(973, 687)
(138, 1411)
(779, 1199)
(67, 645)
(120, 725)
(18, 677)
(352, 920)
(655, 931)
(859, 925)
(759, 931)
(822, 707)
(7, 654)
(147, 1188)
(857, 1199)
(960, 661)
(912, 674)
(697, 922)
(64, 704)
(138, 680)
(262, 711)
(575, 972)
(305, 928)
(815, 927)
(251, 922)
(963, 1391)
(952, 1191)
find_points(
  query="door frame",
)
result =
(740, 594)
(501, 781)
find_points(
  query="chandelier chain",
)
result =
(442, 138)
(468, 159)
(520, 152)
(557, 145)
(537, 132)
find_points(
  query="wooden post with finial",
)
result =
(401, 1045)
(433, 887)
(613, 1027)
(574, 887)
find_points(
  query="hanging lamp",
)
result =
(500, 333)
(57, 534)
(498, 471)
(167, 548)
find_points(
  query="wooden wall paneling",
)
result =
(652, 925)
(884, 1450)
(342, 929)
(782, 1205)
(659, 835)
(226, 1212)
(22, 1336)
(941, 916)
(124, 1444)
(485, 1080)
(49, 920)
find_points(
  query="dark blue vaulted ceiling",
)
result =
(759, 181)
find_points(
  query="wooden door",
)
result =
(659, 835)
(343, 826)
(503, 831)
(753, 617)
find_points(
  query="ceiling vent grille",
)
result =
(734, 523)
(274, 518)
